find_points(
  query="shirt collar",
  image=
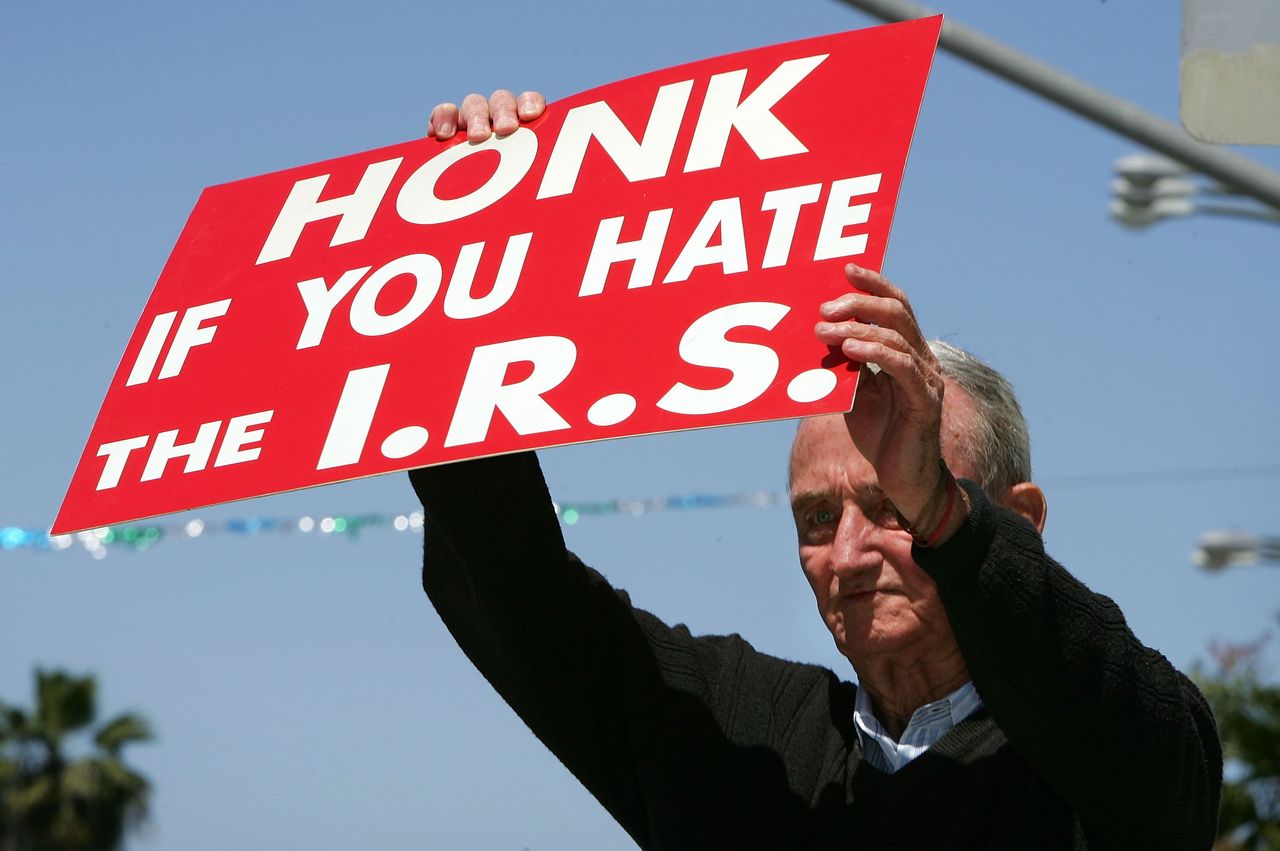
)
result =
(928, 724)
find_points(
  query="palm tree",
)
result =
(1247, 709)
(51, 799)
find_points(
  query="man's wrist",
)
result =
(942, 515)
(959, 515)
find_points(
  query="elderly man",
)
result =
(1000, 703)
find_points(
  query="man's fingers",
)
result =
(531, 105)
(880, 302)
(868, 309)
(896, 363)
(876, 326)
(443, 123)
(876, 284)
(882, 346)
(502, 112)
(873, 283)
(921, 386)
(835, 333)
(475, 117)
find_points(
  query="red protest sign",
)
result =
(646, 257)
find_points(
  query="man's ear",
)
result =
(1028, 500)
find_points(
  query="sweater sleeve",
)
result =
(1124, 737)
(626, 702)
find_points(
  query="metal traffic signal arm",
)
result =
(1236, 173)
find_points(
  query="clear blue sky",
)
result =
(304, 693)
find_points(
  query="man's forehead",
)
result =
(823, 452)
(824, 442)
(819, 434)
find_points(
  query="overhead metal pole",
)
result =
(1227, 167)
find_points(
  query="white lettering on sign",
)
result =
(166, 448)
(719, 237)
(832, 241)
(190, 334)
(426, 274)
(786, 204)
(638, 160)
(237, 443)
(303, 206)
(117, 453)
(723, 216)
(484, 392)
(418, 203)
(607, 250)
(724, 110)
(353, 417)
(320, 299)
(753, 366)
(149, 354)
(236, 448)
(459, 303)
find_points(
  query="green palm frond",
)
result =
(14, 724)
(39, 793)
(49, 800)
(1247, 709)
(121, 730)
(64, 703)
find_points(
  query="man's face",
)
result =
(875, 600)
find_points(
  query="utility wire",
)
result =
(1159, 477)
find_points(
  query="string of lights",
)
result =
(142, 536)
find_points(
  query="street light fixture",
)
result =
(1220, 550)
(1149, 188)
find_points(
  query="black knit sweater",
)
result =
(1087, 740)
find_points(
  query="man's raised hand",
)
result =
(479, 116)
(896, 423)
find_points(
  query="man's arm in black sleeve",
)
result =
(1126, 739)
(640, 712)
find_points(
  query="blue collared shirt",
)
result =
(928, 724)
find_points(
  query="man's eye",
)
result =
(822, 516)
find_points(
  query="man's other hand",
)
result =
(479, 117)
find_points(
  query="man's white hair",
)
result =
(998, 443)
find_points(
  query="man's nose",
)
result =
(854, 549)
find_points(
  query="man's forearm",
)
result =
(1125, 736)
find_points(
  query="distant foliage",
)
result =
(1248, 713)
(53, 800)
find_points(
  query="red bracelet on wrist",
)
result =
(947, 491)
(932, 539)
